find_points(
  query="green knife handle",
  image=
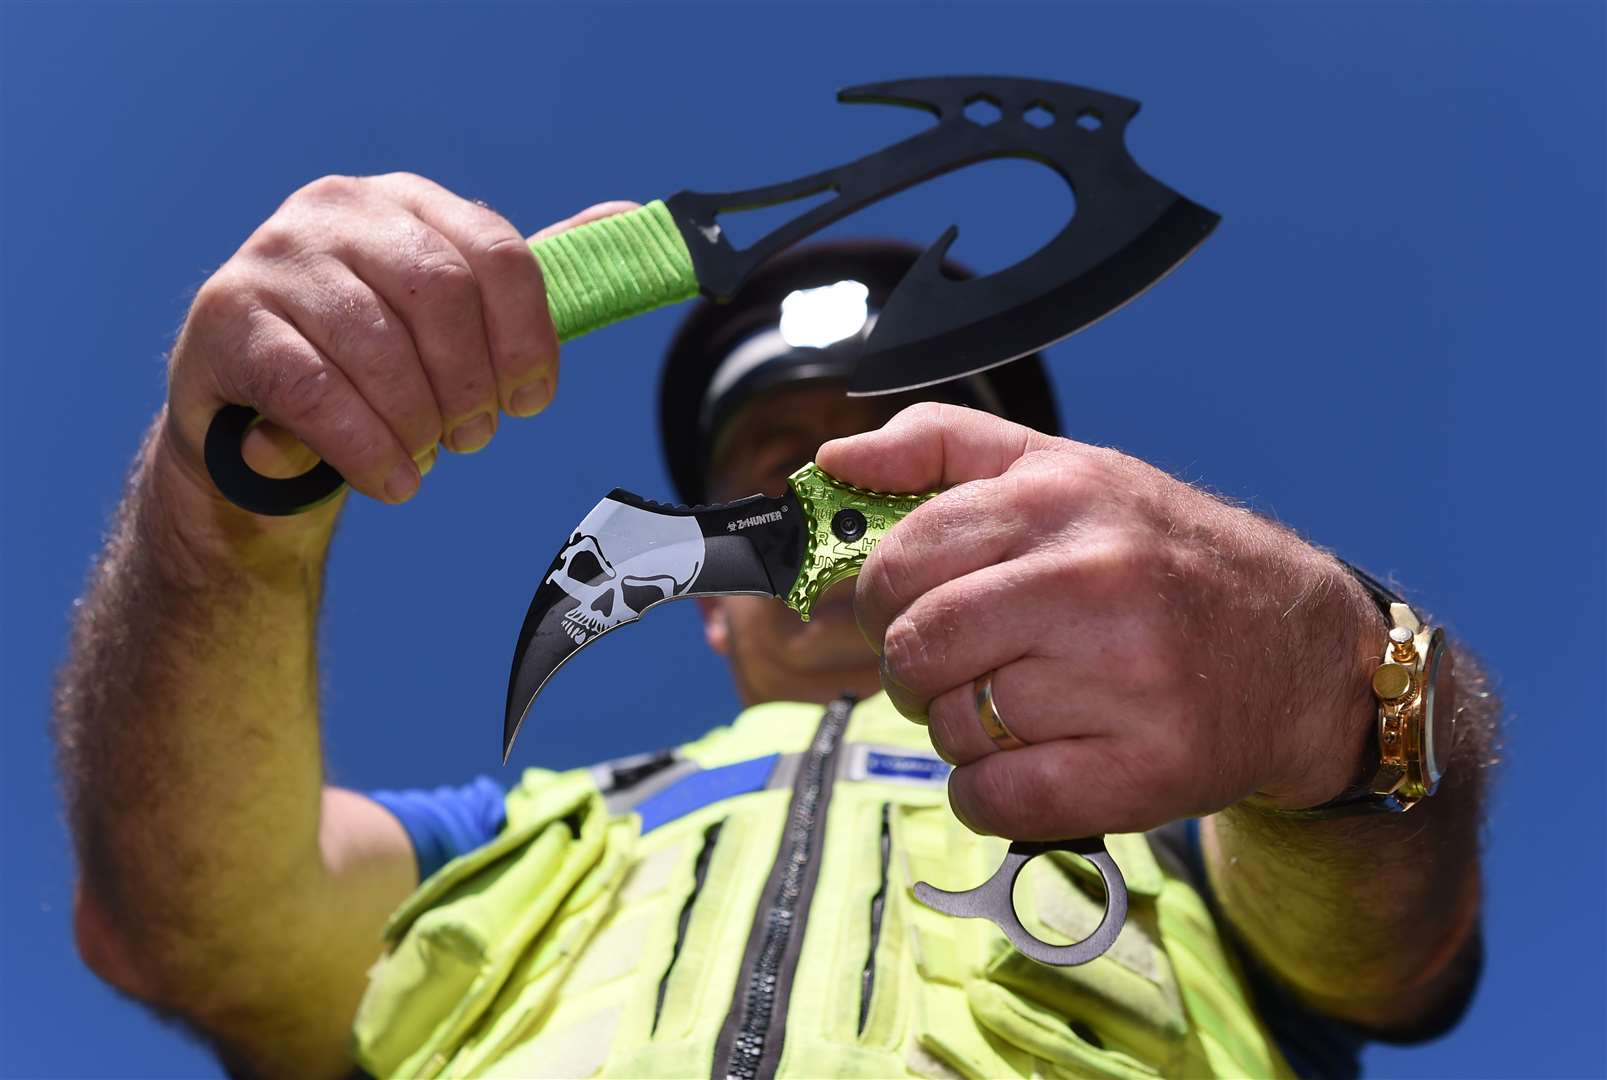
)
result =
(610, 269)
(842, 524)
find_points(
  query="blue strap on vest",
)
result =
(446, 822)
(703, 787)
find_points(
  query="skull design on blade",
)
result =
(656, 557)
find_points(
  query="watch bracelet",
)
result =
(1358, 798)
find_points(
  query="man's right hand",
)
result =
(368, 320)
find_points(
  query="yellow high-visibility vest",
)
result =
(743, 907)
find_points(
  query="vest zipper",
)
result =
(700, 873)
(867, 981)
(749, 1046)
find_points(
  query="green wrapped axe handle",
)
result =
(595, 274)
(613, 268)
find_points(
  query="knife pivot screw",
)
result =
(848, 525)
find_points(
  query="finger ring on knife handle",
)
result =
(994, 901)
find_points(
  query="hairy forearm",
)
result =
(1366, 917)
(187, 727)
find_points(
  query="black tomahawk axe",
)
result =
(1128, 231)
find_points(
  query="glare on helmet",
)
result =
(821, 316)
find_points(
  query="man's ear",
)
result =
(716, 626)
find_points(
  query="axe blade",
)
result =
(935, 328)
(1127, 232)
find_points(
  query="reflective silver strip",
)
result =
(785, 772)
(627, 799)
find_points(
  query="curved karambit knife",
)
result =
(630, 554)
(1129, 230)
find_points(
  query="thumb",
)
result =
(929, 445)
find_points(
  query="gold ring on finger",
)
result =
(987, 712)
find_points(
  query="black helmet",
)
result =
(723, 355)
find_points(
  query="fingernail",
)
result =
(902, 698)
(529, 400)
(963, 818)
(470, 435)
(426, 461)
(402, 482)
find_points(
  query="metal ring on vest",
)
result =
(994, 901)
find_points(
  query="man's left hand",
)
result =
(1161, 653)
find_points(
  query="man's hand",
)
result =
(369, 319)
(1162, 654)
(1165, 655)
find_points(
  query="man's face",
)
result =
(774, 655)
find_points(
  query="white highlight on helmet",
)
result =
(825, 315)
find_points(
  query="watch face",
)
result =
(1439, 710)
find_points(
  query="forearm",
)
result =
(1365, 917)
(187, 724)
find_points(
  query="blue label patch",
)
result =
(885, 766)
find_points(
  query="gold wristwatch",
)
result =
(1416, 711)
(1416, 728)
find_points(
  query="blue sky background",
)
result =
(1411, 255)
